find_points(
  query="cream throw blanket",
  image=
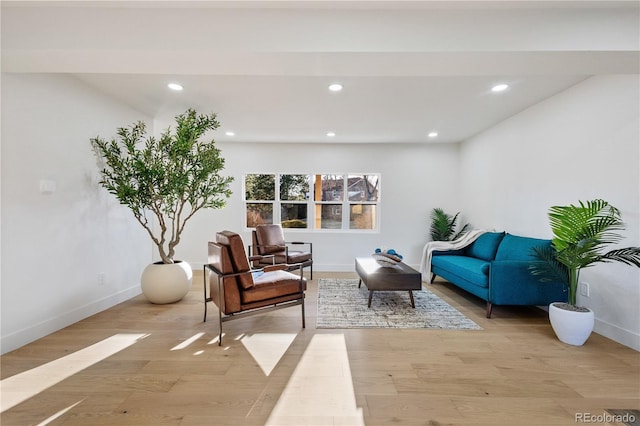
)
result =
(429, 248)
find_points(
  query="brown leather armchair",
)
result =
(270, 247)
(238, 290)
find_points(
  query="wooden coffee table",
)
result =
(380, 278)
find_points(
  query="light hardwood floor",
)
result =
(270, 371)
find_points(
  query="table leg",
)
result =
(370, 296)
(413, 305)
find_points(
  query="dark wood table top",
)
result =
(371, 266)
(378, 277)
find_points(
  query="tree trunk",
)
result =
(163, 255)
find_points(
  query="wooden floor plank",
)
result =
(513, 371)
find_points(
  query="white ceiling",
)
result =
(408, 67)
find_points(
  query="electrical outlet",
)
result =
(102, 278)
(584, 289)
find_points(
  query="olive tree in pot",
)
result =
(165, 180)
(580, 236)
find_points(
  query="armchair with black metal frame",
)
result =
(239, 291)
(269, 247)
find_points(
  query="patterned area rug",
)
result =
(341, 304)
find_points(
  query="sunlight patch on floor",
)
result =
(216, 339)
(187, 342)
(320, 390)
(58, 414)
(18, 388)
(268, 348)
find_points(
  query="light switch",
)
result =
(47, 186)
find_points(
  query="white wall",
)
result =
(55, 245)
(414, 179)
(578, 145)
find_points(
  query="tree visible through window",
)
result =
(321, 201)
(294, 193)
(260, 193)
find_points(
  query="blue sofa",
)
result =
(495, 267)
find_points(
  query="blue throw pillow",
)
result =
(514, 247)
(485, 246)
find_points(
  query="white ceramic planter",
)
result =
(166, 283)
(571, 327)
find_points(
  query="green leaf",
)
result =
(172, 176)
(581, 235)
(443, 226)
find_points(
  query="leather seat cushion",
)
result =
(273, 284)
(294, 257)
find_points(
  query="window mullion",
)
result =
(277, 209)
(346, 207)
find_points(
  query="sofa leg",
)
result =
(489, 308)
(433, 277)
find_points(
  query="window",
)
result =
(294, 193)
(329, 197)
(363, 200)
(259, 193)
(320, 201)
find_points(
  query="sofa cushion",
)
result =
(469, 268)
(514, 247)
(485, 246)
(459, 252)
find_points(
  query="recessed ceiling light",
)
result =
(230, 133)
(499, 87)
(174, 86)
(331, 134)
(335, 87)
(433, 134)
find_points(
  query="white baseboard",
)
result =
(618, 334)
(624, 337)
(345, 267)
(29, 334)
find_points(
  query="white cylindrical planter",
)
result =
(571, 327)
(166, 283)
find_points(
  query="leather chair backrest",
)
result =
(270, 239)
(229, 300)
(237, 256)
(254, 243)
(219, 258)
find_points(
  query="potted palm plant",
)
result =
(165, 181)
(580, 236)
(443, 226)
